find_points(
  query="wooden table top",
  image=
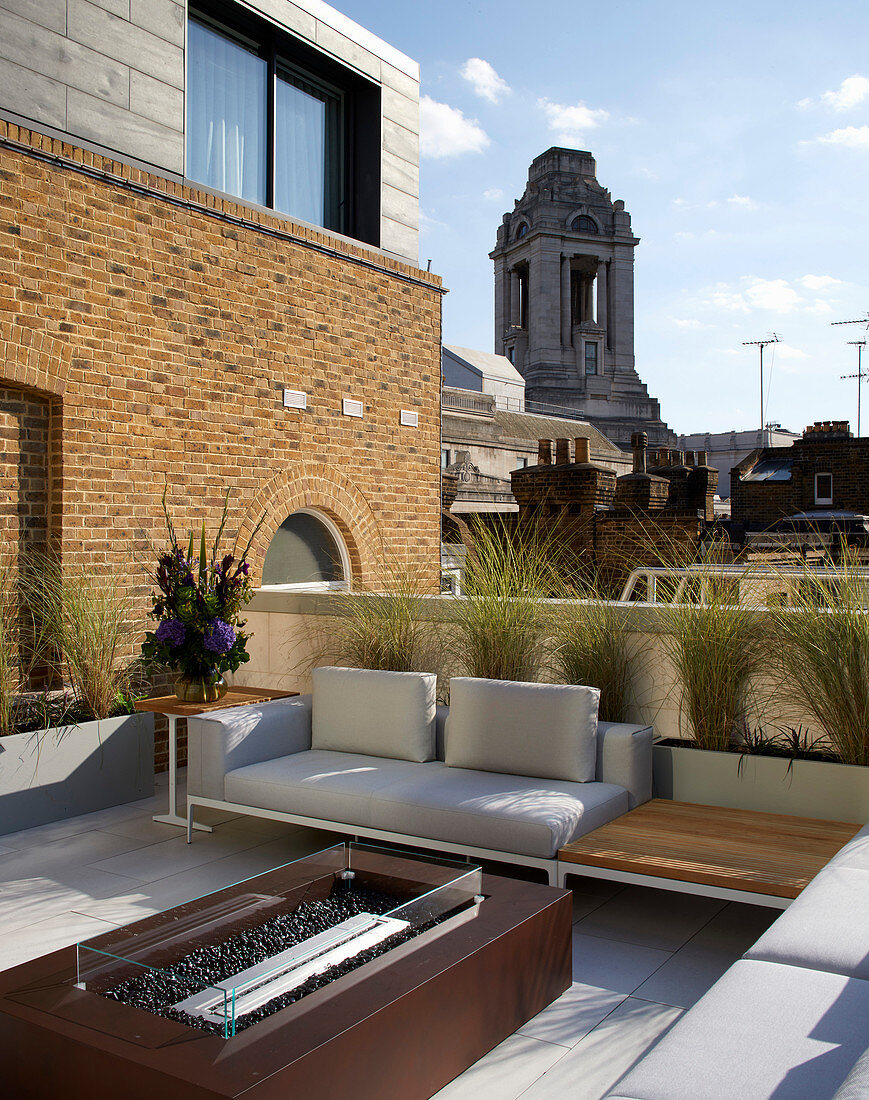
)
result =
(740, 849)
(235, 697)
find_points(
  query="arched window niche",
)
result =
(584, 224)
(306, 554)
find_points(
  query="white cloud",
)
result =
(772, 294)
(570, 122)
(852, 91)
(852, 137)
(818, 282)
(493, 194)
(686, 322)
(446, 132)
(786, 351)
(742, 201)
(484, 80)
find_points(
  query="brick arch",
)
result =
(37, 360)
(313, 485)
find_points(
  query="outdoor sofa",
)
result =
(509, 771)
(790, 1020)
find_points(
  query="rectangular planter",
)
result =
(805, 788)
(62, 772)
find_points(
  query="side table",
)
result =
(172, 707)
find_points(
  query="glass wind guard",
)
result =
(252, 948)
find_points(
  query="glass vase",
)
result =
(201, 689)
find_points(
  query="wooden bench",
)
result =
(739, 855)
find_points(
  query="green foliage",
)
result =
(83, 626)
(386, 627)
(715, 648)
(198, 607)
(589, 646)
(499, 622)
(821, 638)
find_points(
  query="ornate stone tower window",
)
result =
(564, 298)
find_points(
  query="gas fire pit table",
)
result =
(357, 972)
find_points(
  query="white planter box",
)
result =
(805, 788)
(51, 774)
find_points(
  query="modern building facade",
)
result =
(209, 233)
(564, 298)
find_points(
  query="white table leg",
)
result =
(172, 817)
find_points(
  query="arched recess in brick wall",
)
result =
(35, 359)
(313, 485)
(34, 365)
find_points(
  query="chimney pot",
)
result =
(562, 452)
(702, 458)
(689, 458)
(544, 452)
(580, 449)
(639, 442)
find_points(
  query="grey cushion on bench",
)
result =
(826, 928)
(491, 810)
(856, 1084)
(334, 786)
(543, 730)
(507, 813)
(390, 714)
(763, 1030)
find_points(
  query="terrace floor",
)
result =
(640, 956)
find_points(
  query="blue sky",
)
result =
(738, 137)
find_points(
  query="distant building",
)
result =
(826, 470)
(486, 432)
(725, 450)
(564, 299)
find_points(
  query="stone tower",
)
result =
(564, 299)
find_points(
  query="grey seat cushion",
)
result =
(334, 786)
(390, 714)
(826, 928)
(856, 1084)
(484, 809)
(855, 853)
(763, 1030)
(543, 730)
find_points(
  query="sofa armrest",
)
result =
(624, 757)
(223, 740)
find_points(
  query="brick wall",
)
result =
(163, 332)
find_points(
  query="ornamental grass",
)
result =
(385, 626)
(715, 646)
(11, 676)
(589, 645)
(83, 632)
(498, 626)
(821, 638)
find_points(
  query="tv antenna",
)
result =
(773, 338)
(860, 321)
(859, 345)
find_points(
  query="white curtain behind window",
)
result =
(300, 153)
(226, 115)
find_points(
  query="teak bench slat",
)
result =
(771, 854)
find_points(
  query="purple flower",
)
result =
(245, 568)
(171, 632)
(219, 636)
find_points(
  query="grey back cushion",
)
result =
(856, 1084)
(543, 730)
(374, 713)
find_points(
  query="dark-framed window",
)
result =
(584, 224)
(275, 122)
(590, 357)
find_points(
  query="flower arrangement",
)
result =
(198, 609)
